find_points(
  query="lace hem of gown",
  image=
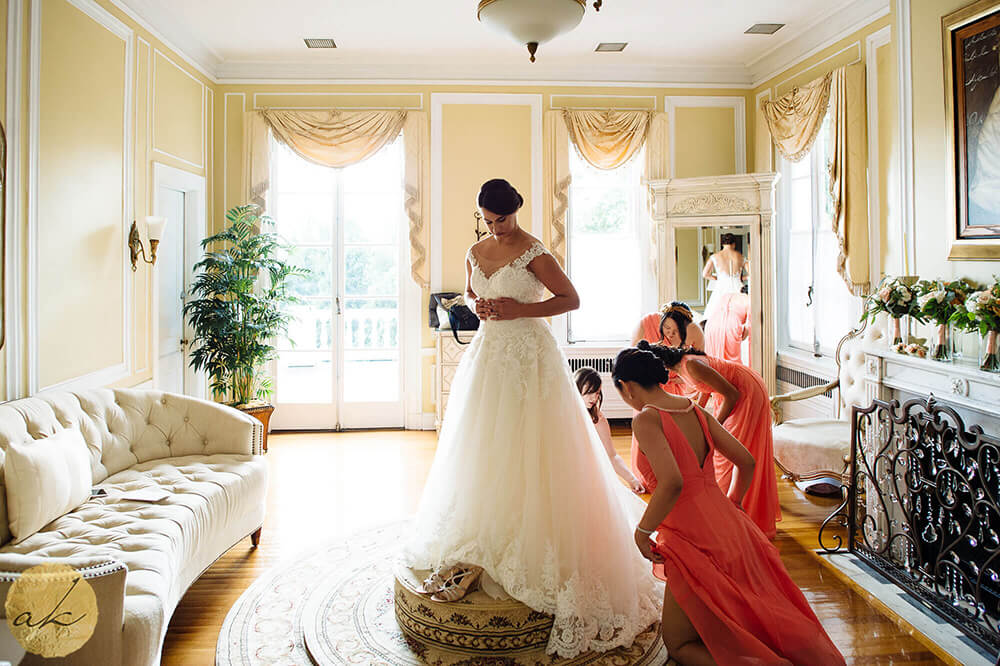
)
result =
(572, 634)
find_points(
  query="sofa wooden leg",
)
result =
(255, 537)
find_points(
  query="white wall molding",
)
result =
(257, 95)
(822, 33)
(554, 104)
(905, 78)
(225, 144)
(738, 104)
(872, 44)
(152, 111)
(123, 369)
(452, 73)
(14, 207)
(438, 100)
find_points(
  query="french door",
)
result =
(340, 365)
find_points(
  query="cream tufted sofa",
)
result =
(205, 454)
(815, 452)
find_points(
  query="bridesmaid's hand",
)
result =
(637, 486)
(505, 309)
(645, 545)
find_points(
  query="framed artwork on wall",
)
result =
(971, 40)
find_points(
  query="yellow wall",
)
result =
(479, 142)
(932, 222)
(704, 138)
(890, 212)
(81, 158)
(91, 309)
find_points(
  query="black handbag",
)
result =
(460, 316)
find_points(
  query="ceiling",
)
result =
(669, 40)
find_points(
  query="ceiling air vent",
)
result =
(763, 28)
(320, 43)
(611, 47)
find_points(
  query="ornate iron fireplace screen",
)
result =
(923, 509)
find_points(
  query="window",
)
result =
(607, 248)
(815, 308)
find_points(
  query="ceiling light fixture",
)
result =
(763, 28)
(533, 22)
(611, 47)
(320, 43)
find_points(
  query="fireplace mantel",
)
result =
(891, 375)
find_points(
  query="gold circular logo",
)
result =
(51, 610)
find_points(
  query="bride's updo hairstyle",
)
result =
(500, 197)
(640, 366)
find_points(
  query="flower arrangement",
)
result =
(981, 312)
(938, 302)
(897, 299)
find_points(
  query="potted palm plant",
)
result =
(238, 308)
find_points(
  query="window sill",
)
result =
(823, 367)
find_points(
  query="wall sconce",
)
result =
(154, 231)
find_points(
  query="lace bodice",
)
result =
(513, 280)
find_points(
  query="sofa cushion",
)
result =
(806, 446)
(215, 501)
(46, 478)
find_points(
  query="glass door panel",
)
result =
(340, 365)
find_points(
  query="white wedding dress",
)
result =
(522, 487)
(724, 283)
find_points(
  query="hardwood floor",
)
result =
(327, 485)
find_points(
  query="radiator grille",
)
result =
(602, 364)
(800, 379)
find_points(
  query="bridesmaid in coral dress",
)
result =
(742, 406)
(673, 326)
(726, 331)
(729, 598)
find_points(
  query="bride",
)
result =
(520, 485)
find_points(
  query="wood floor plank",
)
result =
(327, 485)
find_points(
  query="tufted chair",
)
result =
(815, 452)
(204, 454)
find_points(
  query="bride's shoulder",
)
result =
(475, 248)
(535, 247)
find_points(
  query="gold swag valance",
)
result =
(795, 119)
(607, 139)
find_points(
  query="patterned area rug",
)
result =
(334, 605)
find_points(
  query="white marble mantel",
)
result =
(973, 393)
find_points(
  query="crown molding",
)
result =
(162, 24)
(813, 38)
(826, 30)
(457, 74)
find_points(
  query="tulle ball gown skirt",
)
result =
(522, 487)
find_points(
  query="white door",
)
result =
(170, 264)
(341, 365)
(179, 196)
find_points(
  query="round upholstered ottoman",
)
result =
(476, 624)
(482, 630)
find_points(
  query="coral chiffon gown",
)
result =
(724, 332)
(724, 573)
(750, 423)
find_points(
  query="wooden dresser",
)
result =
(449, 353)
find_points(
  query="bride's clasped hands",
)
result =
(499, 309)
